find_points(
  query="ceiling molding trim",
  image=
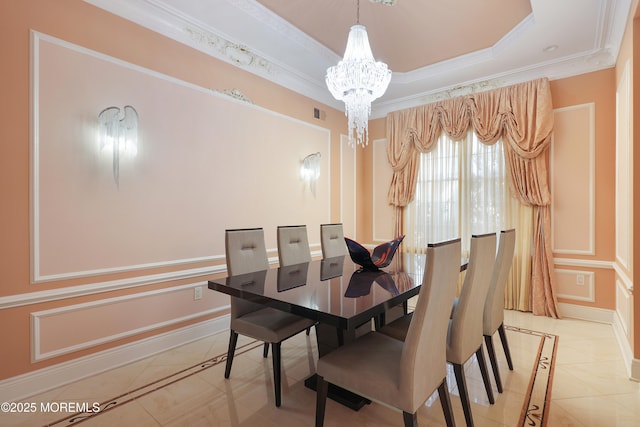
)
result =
(615, 24)
(444, 78)
(512, 36)
(285, 29)
(170, 23)
(557, 69)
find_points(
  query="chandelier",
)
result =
(357, 80)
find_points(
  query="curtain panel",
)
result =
(522, 115)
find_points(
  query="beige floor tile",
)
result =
(590, 386)
(129, 414)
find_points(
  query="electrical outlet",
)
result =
(197, 293)
(579, 279)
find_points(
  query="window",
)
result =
(462, 189)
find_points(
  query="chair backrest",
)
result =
(246, 253)
(494, 306)
(332, 240)
(465, 330)
(245, 250)
(293, 245)
(424, 363)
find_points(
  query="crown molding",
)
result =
(308, 59)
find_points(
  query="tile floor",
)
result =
(590, 386)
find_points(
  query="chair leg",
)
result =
(265, 350)
(505, 345)
(410, 420)
(233, 340)
(445, 401)
(488, 340)
(485, 375)
(275, 349)
(458, 371)
(322, 388)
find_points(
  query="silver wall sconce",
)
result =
(310, 170)
(118, 133)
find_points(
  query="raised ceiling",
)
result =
(435, 48)
(410, 34)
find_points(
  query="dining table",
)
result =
(341, 296)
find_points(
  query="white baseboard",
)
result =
(606, 316)
(22, 386)
(582, 312)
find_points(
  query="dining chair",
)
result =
(402, 374)
(246, 253)
(293, 246)
(493, 319)
(465, 326)
(332, 240)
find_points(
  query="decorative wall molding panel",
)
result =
(624, 163)
(381, 178)
(154, 219)
(573, 145)
(22, 386)
(575, 285)
(38, 297)
(624, 307)
(67, 329)
(348, 184)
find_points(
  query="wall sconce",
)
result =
(118, 134)
(310, 170)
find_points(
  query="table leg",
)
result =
(340, 395)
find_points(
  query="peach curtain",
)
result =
(522, 115)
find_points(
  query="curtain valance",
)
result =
(522, 116)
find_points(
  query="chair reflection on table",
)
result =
(292, 276)
(331, 267)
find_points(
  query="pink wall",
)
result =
(572, 98)
(73, 215)
(81, 24)
(204, 163)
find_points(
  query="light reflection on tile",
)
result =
(590, 386)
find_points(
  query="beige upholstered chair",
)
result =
(293, 245)
(402, 374)
(246, 253)
(465, 326)
(494, 306)
(332, 240)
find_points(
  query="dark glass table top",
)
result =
(334, 291)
